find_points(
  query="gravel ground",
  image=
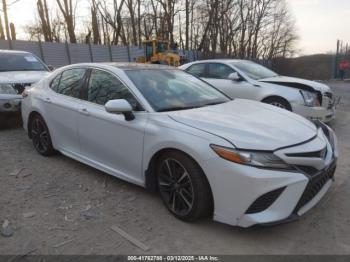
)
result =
(56, 205)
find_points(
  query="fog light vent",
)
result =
(265, 201)
(7, 105)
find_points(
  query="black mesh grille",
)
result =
(265, 201)
(319, 154)
(309, 170)
(330, 95)
(315, 185)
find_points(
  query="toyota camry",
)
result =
(241, 161)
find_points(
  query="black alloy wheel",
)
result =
(183, 187)
(41, 136)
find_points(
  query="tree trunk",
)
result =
(94, 24)
(13, 31)
(187, 10)
(2, 34)
(68, 12)
(7, 29)
(139, 21)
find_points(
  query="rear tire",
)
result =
(183, 187)
(278, 102)
(40, 135)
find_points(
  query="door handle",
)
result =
(48, 100)
(84, 111)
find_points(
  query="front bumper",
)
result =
(10, 105)
(283, 195)
(315, 113)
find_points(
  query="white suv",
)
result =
(248, 80)
(18, 69)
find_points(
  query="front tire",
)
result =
(40, 135)
(278, 102)
(183, 187)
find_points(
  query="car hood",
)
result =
(297, 83)
(22, 77)
(10, 97)
(248, 124)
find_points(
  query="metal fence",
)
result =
(61, 54)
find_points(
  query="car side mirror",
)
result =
(120, 106)
(235, 77)
(51, 68)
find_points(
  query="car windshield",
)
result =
(20, 62)
(7, 89)
(253, 70)
(172, 89)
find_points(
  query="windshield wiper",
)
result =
(178, 108)
(213, 103)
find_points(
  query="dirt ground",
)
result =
(56, 205)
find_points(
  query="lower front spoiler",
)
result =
(290, 219)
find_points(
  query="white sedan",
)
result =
(241, 161)
(248, 80)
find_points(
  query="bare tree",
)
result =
(131, 7)
(68, 11)
(13, 31)
(44, 20)
(7, 29)
(2, 34)
(114, 20)
(95, 24)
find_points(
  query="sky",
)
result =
(319, 22)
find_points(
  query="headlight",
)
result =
(251, 158)
(310, 99)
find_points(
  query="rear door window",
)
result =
(197, 70)
(55, 82)
(219, 71)
(71, 82)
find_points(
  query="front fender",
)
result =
(290, 94)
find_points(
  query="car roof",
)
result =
(220, 60)
(13, 52)
(123, 65)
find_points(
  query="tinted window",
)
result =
(71, 82)
(253, 70)
(197, 70)
(54, 84)
(172, 89)
(20, 62)
(104, 86)
(220, 71)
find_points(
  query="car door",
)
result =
(217, 74)
(108, 140)
(63, 109)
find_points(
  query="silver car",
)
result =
(10, 100)
(249, 80)
(18, 69)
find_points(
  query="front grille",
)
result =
(320, 97)
(19, 87)
(314, 186)
(318, 154)
(329, 95)
(265, 201)
(330, 99)
(309, 170)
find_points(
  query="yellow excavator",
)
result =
(158, 52)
